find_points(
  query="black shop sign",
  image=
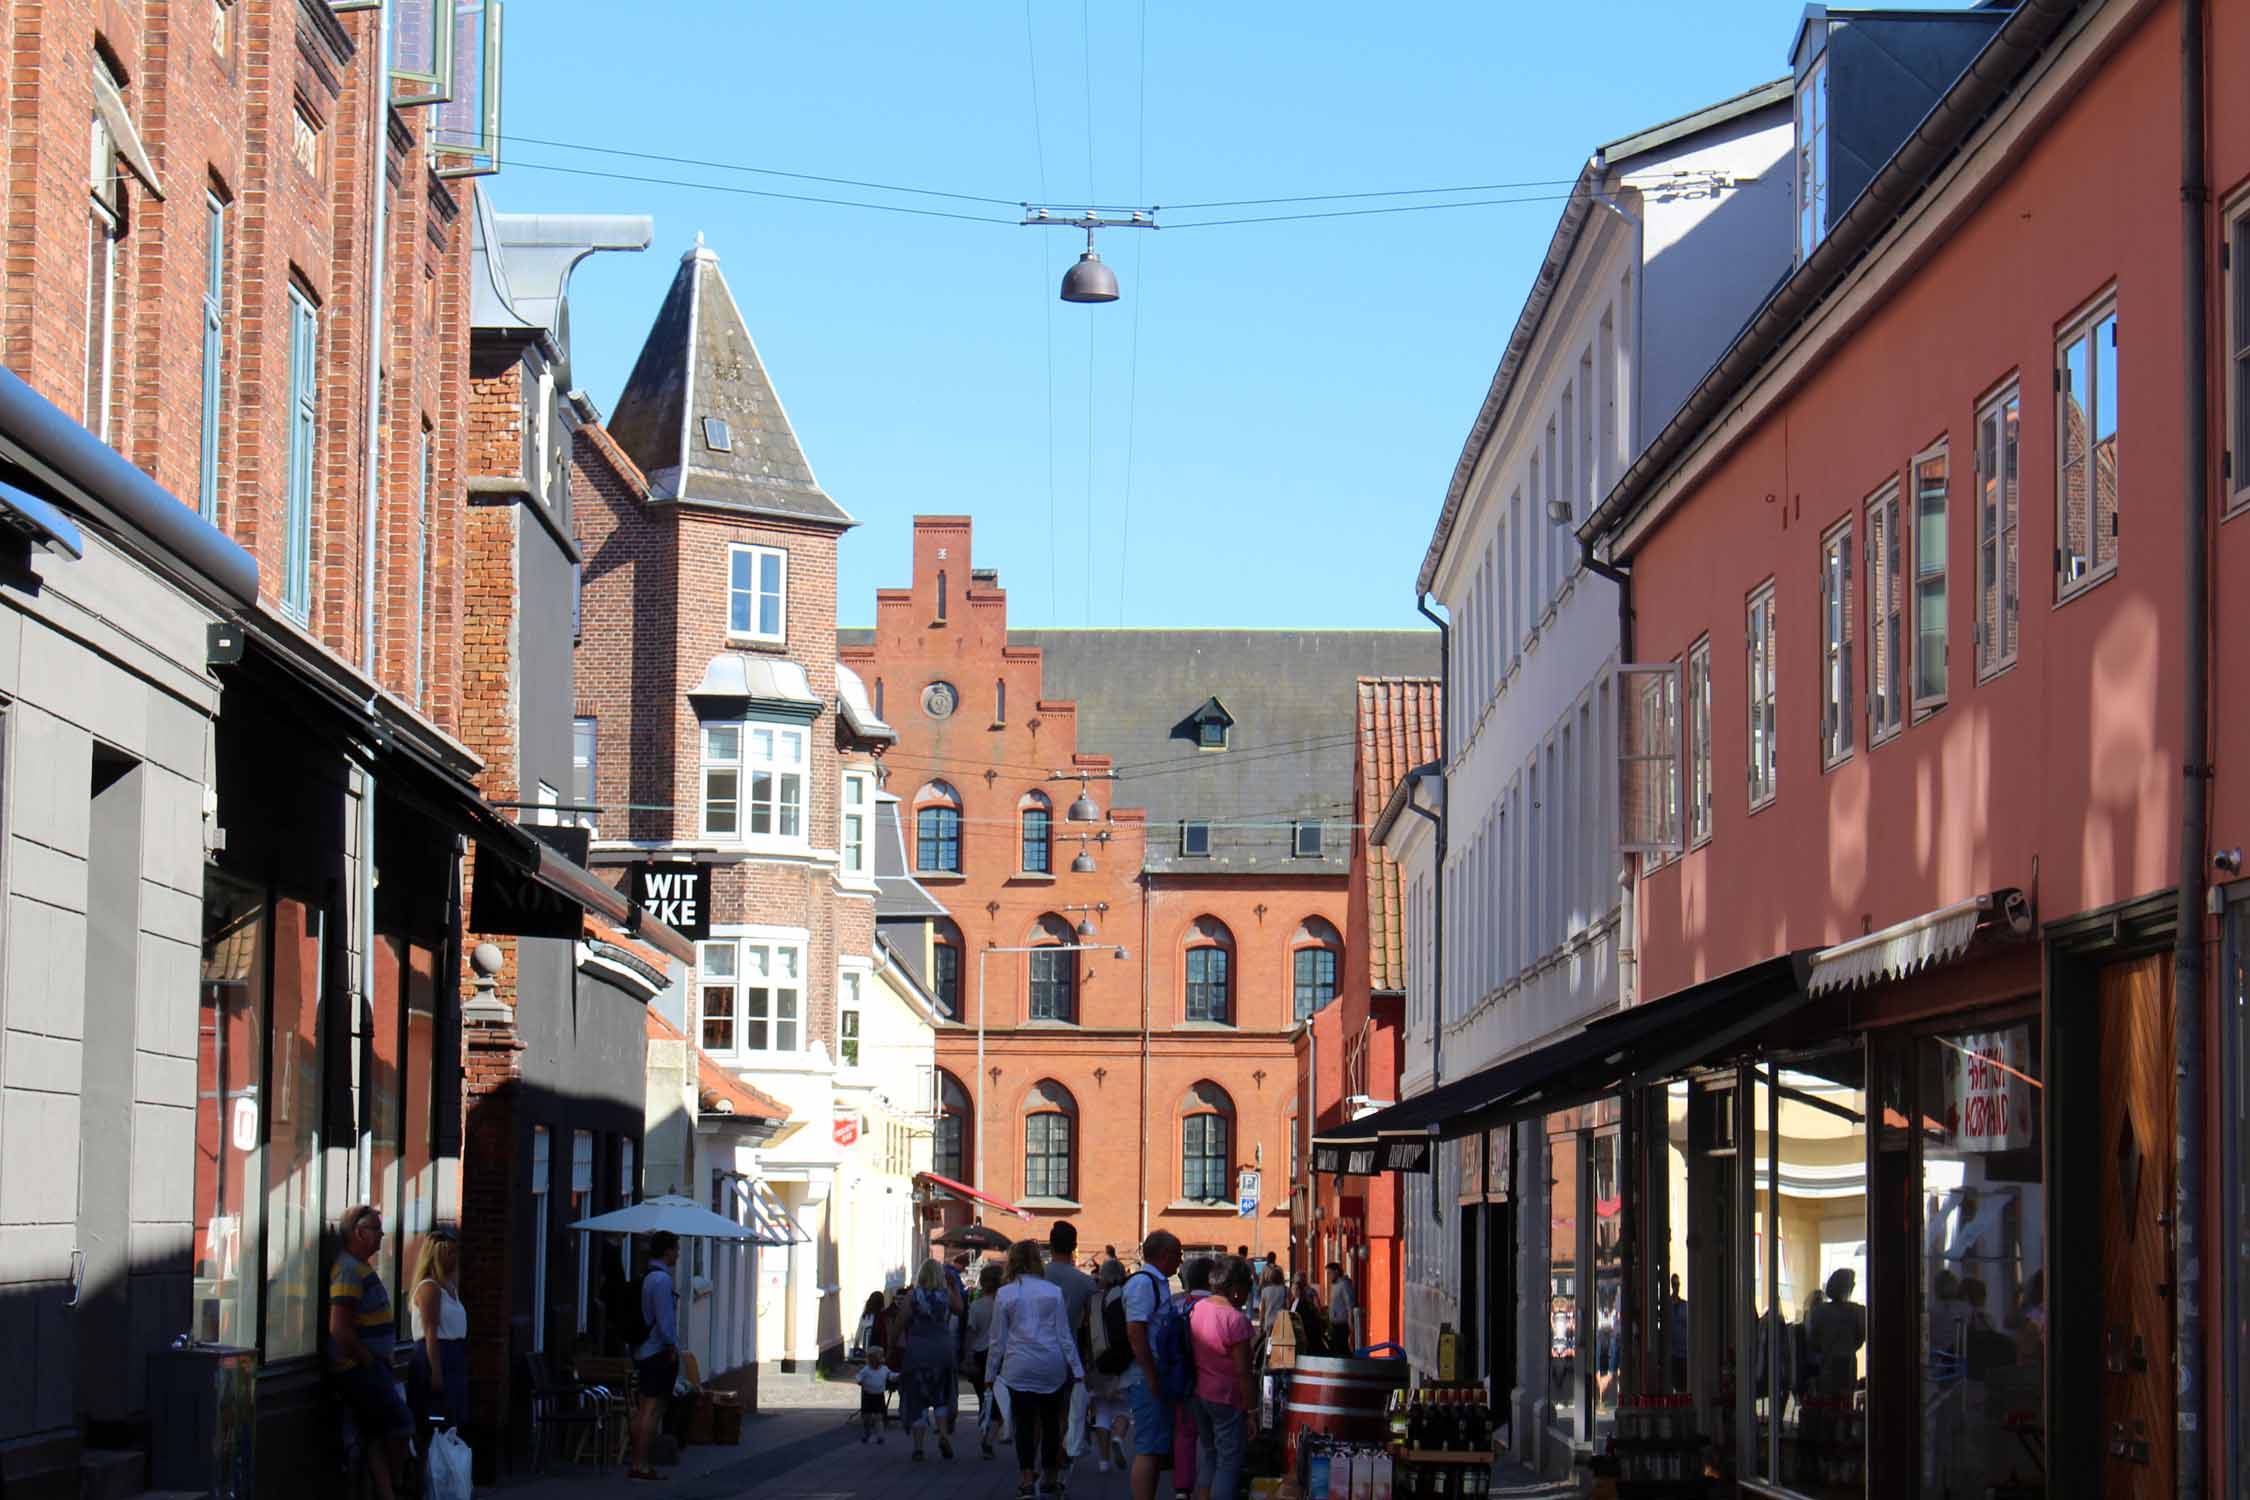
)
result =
(677, 895)
(1406, 1156)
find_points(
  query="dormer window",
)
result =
(1307, 842)
(1195, 840)
(717, 436)
(1210, 725)
(1812, 158)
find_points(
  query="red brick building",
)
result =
(1141, 1053)
(715, 718)
(1354, 1221)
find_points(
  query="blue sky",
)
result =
(1276, 453)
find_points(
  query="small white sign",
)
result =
(245, 1127)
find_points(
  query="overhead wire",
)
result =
(730, 166)
(749, 192)
(1140, 298)
(1086, 50)
(1039, 141)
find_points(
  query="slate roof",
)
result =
(1398, 730)
(898, 895)
(700, 362)
(1293, 697)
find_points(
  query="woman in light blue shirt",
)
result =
(1035, 1357)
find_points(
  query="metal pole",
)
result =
(978, 1183)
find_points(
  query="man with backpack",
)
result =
(1148, 1314)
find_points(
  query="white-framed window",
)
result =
(1839, 607)
(585, 751)
(858, 803)
(754, 780)
(2236, 253)
(304, 443)
(752, 991)
(757, 593)
(1648, 752)
(1999, 558)
(847, 1017)
(2086, 450)
(548, 798)
(1812, 158)
(1698, 711)
(628, 1173)
(1886, 617)
(214, 347)
(1933, 630)
(1758, 643)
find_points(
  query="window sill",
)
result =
(1927, 709)
(1032, 877)
(1763, 803)
(1213, 1206)
(1051, 1205)
(940, 877)
(757, 843)
(1221, 1027)
(1997, 669)
(773, 1062)
(1838, 763)
(757, 642)
(2086, 584)
(1046, 1023)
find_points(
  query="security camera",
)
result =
(2227, 861)
(1558, 512)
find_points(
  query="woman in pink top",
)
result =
(1225, 1402)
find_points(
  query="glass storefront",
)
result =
(1586, 1264)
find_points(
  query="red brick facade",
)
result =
(216, 92)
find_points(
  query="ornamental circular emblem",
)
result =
(939, 700)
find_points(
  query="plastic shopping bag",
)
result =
(1074, 1427)
(994, 1415)
(449, 1468)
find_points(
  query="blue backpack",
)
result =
(1169, 1347)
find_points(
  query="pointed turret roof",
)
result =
(699, 413)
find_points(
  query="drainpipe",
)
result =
(1141, 1189)
(2187, 942)
(1437, 886)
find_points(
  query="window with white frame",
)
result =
(1999, 559)
(1886, 616)
(1932, 630)
(2086, 450)
(752, 992)
(1648, 762)
(757, 588)
(2237, 260)
(304, 442)
(1698, 711)
(753, 780)
(858, 798)
(847, 1017)
(1812, 158)
(214, 348)
(584, 748)
(1763, 694)
(1838, 611)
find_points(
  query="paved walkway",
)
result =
(804, 1445)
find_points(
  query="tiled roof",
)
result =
(713, 1082)
(1398, 730)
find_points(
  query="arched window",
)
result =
(1038, 833)
(1050, 1138)
(1054, 972)
(1210, 966)
(956, 1127)
(1207, 1144)
(937, 829)
(945, 966)
(1314, 954)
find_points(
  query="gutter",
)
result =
(1987, 80)
(96, 478)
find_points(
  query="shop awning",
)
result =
(1618, 1051)
(43, 525)
(964, 1191)
(1907, 948)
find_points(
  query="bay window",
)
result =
(753, 995)
(753, 780)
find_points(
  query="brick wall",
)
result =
(221, 119)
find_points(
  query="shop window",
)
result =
(582, 1206)
(1210, 992)
(542, 1166)
(937, 829)
(1038, 818)
(2086, 458)
(400, 1092)
(1886, 612)
(1932, 629)
(1564, 1336)
(1999, 560)
(1050, 1135)
(230, 1069)
(1839, 610)
(1206, 1145)
(955, 1126)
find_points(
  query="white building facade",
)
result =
(1517, 930)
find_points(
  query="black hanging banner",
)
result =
(1359, 1161)
(677, 895)
(1406, 1155)
(508, 899)
(1327, 1157)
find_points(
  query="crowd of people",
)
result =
(1147, 1374)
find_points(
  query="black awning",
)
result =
(1618, 1051)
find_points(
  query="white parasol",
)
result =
(690, 1220)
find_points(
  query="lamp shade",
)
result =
(1082, 809)
(1083, 864)
(1089, 280)
(1086, 927)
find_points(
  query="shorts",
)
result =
(658, 1374)
(871, 1403)
(1152, 1420)
(371, 1398)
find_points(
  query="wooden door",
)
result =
(2136, 1207)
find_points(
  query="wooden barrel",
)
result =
(1345, 1399)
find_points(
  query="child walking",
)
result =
(874, 1385)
